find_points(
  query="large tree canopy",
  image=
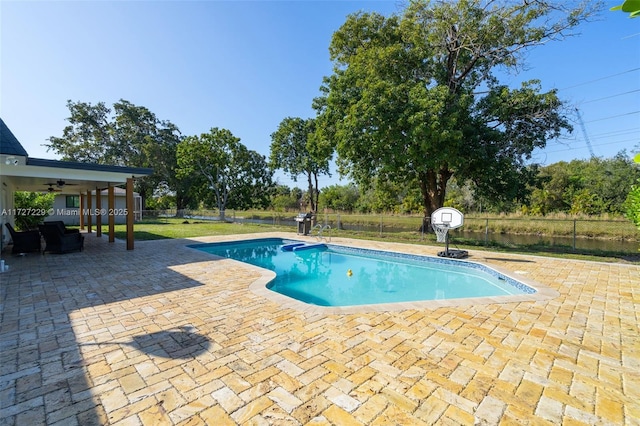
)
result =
(221, 166)
(297, 150)
(131, 136)
(415, 98)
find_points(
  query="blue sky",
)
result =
(246, 65)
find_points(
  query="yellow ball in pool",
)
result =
(349, 272)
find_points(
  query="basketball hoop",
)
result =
(441, 230)
(442, 220)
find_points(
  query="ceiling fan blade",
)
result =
(51, 188)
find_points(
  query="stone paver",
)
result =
(170, 335)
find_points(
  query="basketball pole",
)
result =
(446, 244)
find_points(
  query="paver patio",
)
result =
(166, 334)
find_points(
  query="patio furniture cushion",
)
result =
(59, 242)
(62, 227)
(24, 241)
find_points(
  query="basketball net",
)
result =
(441, 230)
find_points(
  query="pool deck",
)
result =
(166, 334)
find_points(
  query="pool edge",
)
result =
(259, 287)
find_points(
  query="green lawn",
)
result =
(157, 229)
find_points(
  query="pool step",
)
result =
(290, 247)
(316, 246)
(303, 246)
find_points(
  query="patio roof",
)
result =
(38, 174)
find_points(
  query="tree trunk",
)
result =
(310, 189)
(143, 194)
(316, 192)
(222, 203)
(181, 200)
(433, 186)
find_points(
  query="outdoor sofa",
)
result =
(59, 242)
(24, 241)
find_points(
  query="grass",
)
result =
(163, 228)
(557, 224)
(157, 229)
(605, 226)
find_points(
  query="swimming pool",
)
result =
(332, 275)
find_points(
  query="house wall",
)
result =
(71, 216)
(7, 215)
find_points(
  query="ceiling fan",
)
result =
(60, 183)
(51, 188)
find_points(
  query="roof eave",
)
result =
(134, 171)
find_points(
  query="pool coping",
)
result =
(259, 287)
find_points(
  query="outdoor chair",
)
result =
(63, 228)
(59, 242)
(24, 241)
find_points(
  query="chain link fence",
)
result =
(584, 236)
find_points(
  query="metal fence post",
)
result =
(486, 232)
(381, 225)
(574, 234)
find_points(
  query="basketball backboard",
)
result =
(447, 216)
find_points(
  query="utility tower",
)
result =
(584, 132)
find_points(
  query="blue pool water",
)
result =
(320, 276)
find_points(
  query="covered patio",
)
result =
(169, 335)
(19, 172)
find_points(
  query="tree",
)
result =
(414, 98)
(220, 166)
(255, 178)
(609, 179)
(29, 205)
(593, 186)
(461, 197)
(284, 199)
(340, 197)
(632, 204)
(89, 136)
(550, 195)
(629, 6)
(140, 139)
(381, 196)
(131, 136)
(297, 149)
